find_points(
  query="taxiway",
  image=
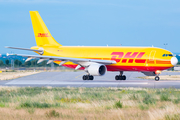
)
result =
(74, 79)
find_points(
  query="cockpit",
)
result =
(166, 55)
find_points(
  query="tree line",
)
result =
(18, 63)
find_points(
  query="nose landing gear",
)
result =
(120, 77)
(157, 78)
(157, 73)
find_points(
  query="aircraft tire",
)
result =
(120, 77)
(157, 78)
(91, 77)
(123, 77)
(84, 77)
(117, 77)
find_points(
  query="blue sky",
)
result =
(93, 23)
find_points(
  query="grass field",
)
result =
(16, 74)
(89, 103)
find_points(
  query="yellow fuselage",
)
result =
(127, 58)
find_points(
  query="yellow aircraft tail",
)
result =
(42, 35)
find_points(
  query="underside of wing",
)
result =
(80, 61)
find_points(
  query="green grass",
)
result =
(44, 97)
(143, 107)
(164, 97)
(148, 99)
(176, 101)
(38, 105)
(118, 104)
(127, 102)
(134, 96)
(172, 117)
(52, 113)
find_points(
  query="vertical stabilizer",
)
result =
(41, 32)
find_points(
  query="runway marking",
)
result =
(76, 83)
(79, 75)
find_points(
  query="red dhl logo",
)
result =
(117, 56)
(43, 35)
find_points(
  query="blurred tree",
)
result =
(1, 63)
(7, 62)
(16, 62)
(33, 63)
(20, 63)
(27, 64)
(42, 64)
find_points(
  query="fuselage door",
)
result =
(151, 57)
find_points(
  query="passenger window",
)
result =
(164, 55)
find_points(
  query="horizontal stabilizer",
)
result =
(24, 49)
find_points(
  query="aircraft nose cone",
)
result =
(174, 61)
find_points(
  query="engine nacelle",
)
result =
(96, 69)
(149, 73)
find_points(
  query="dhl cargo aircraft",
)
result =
(97, 60)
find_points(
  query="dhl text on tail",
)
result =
(96, 61)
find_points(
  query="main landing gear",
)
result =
(120, 77)
(88, 77)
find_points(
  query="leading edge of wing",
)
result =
(75, 60)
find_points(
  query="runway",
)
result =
(74, 79)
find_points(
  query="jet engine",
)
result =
(96, 69)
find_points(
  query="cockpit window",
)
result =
(165, 55)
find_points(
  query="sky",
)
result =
(93, 23)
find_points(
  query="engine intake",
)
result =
(96, 69)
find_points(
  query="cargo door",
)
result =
(151, 59)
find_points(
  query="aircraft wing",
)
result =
(65, 59)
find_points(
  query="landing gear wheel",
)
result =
(91, 77)
(117, 77)
(88, 77)
(123, 77)
(84, 77)
(157, 78)
(120, 76)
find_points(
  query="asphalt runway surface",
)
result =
(74, 79)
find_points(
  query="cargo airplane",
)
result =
(96, 61)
